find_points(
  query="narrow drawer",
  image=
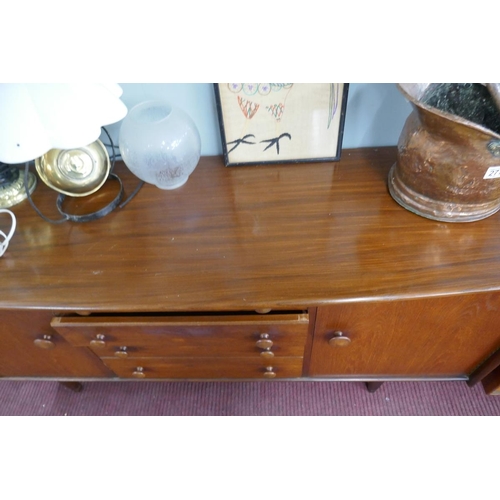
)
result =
(206, 336)
(205, 368)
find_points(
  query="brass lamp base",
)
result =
(14, 191)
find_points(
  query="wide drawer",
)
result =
(186, 336)
(205, 368)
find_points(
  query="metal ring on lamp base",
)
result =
(87, 217)
(94, 215)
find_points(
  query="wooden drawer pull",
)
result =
(269, 373)
(98, 342)
(264, 342)
(339, 340)
(263, 311)
(267, 354)
(45, 342)
(139, 372)
(121, 352)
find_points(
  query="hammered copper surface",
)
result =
(442, 163)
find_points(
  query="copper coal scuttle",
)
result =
(448, 160)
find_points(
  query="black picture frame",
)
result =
(304, 122)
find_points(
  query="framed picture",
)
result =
(281, 122)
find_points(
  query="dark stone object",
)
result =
(471, 101)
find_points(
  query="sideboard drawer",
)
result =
(206, 368)
(186, 336)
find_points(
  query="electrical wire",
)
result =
(113, 147)
(7, 237)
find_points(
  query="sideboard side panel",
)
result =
(20, 357)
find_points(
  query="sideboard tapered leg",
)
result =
(73, 386)
(373, 386)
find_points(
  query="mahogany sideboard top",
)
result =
(244, 238)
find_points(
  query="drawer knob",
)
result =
(262, 311)
(139, 372)
(264, 342)
(267, 354)
(269, 373)
(121, 352)
(98, 342)
(339, 340)
(45, 342)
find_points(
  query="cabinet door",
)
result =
(440, 336)
(30, 348)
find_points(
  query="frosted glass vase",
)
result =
(160, 144)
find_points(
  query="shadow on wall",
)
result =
(375, 116)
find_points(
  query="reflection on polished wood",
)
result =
(274, 236)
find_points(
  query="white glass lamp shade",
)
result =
(38, 117)
(160, 144)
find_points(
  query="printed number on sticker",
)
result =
(492, 173)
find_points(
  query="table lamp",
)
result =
(58, 126)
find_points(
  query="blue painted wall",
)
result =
(376, 112)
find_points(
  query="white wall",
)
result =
(376, 112)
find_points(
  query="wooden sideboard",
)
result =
(303, 271)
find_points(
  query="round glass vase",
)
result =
(160, 144)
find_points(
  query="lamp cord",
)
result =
(7, 237)
(113, 153)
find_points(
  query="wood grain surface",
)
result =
(244, 238)
(433, 337)
(161, 336)
(21, 357)
(207, 368)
